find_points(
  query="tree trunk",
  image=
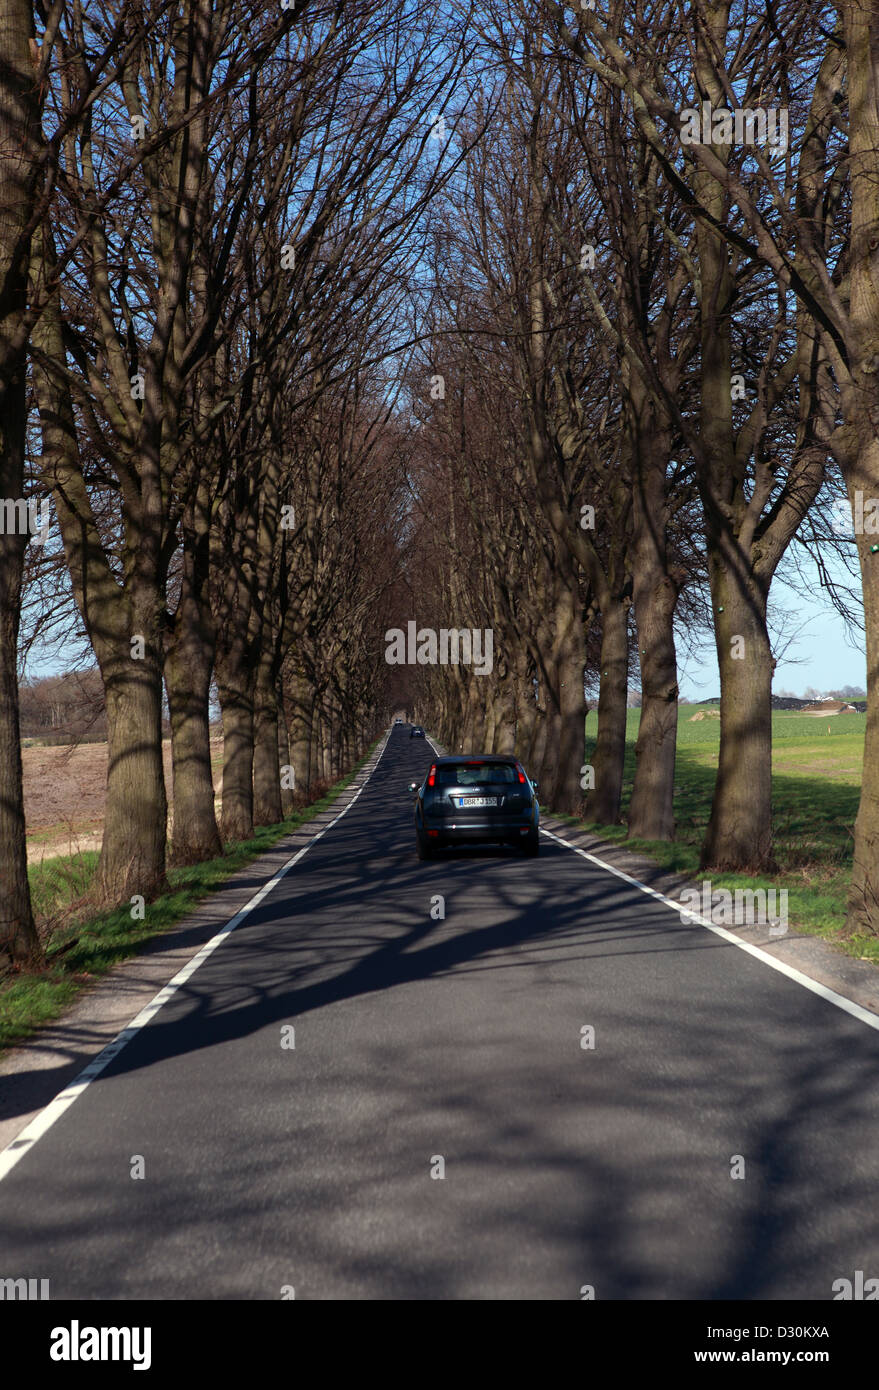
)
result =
(538, 749)
(135, 817)
(525, 714)
(19, 134)
(861, 458)
(654, 597)
(325, 743)
(491, 713)
(287, 792)
(189, 657)
(314, 740)
(474, 717)
(863, 897)
(504, 716)
(739, 832)
(651, 811)
(235, 687)
(123, 621)
(299, 728)
(570, 712)
(188, 663)
(267, 809)
(18, 935)
(318, 742)
(603, 802)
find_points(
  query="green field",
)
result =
(816, 781)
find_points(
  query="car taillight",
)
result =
(522, 777)
(431, 776)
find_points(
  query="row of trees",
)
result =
(634, 337)
(209, 233)
(657, 333)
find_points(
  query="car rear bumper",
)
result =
(466, 834)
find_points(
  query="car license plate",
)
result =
(477, 800)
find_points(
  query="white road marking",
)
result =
(44, 1121)
(847, 1005)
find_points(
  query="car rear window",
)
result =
(474, 774)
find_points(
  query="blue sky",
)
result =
(826, 654)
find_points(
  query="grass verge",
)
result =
(88, 945)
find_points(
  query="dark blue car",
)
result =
(476, 799)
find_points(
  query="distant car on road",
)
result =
(476, 799)
(416, 732)
(398, 721)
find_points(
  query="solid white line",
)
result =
(847, 1005)
(44, 1121)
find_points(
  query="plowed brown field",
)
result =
(64, 791)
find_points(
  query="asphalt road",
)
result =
(310, 1167)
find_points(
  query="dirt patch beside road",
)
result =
(64, 795)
